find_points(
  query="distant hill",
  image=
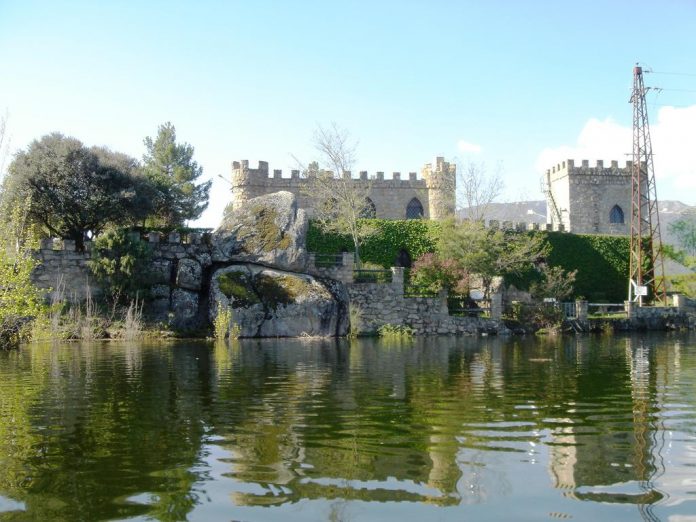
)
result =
(535, 212)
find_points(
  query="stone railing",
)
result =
(522, 226)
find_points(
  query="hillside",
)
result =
(535, 212)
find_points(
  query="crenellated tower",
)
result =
(588, 199)
(441, 182)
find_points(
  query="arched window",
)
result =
(414, 209)
(369, 211)
(616, 215)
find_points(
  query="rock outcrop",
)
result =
(275, 303)
(269, 230)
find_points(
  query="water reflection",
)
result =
(335, 430)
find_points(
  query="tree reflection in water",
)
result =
(560, 426)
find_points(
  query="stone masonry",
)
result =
(379, 304)
(580, 199)
(434, 190)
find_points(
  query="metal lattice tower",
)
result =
(647, 282)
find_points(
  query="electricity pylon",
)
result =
(647, 282)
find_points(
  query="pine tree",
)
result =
(171, 169)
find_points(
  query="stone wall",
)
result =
(63, 272)
(177, 269)
(435, 189)
(585, 195)
(179, 275)
(381, 304)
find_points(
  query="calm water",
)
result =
(600, 428)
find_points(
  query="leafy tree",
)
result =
(489, 252)
(73, 189)
(173, 172)
(339, 202)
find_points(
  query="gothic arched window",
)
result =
(616, 215)
(414, 209)
(369, 211)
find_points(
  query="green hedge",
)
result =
(416, 236)
(602, 262)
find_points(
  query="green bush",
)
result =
(120, 264)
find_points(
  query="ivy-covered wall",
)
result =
(602, 262)
(415, 236)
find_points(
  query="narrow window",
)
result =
(369, 211)
(616, 215)
(414, 210)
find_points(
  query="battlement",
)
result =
(569, 167)
(58, 246)
(242, 174)
(392, 196)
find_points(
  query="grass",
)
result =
(395, 331)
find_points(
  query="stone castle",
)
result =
(582, 199)
(429, 197)
(589, 200)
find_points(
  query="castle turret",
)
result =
(441, 181)
(248, 183)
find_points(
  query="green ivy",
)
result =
(602, 262)
(415, 236)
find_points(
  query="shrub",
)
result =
(432, 274)
(120, 264)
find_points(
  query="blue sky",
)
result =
(520, 84)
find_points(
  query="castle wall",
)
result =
(435, 189)
(586, 195)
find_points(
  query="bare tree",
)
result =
(339, 202)
(477, 189)
(4, 144)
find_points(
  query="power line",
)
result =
(671, 73)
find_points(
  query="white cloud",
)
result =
(673, 135)
(465, 146)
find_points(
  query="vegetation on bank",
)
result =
(600, 263)
(20, 300)
(59, 187)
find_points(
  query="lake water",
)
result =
(583, 428)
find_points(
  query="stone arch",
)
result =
(414, 209)
(369, 211)
(616, 215)
(403, 259)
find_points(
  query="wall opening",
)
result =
(616, 215)
(414, 209)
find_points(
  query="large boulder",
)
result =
(269, 230)
(275, 303)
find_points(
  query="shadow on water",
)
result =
(362, 430)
